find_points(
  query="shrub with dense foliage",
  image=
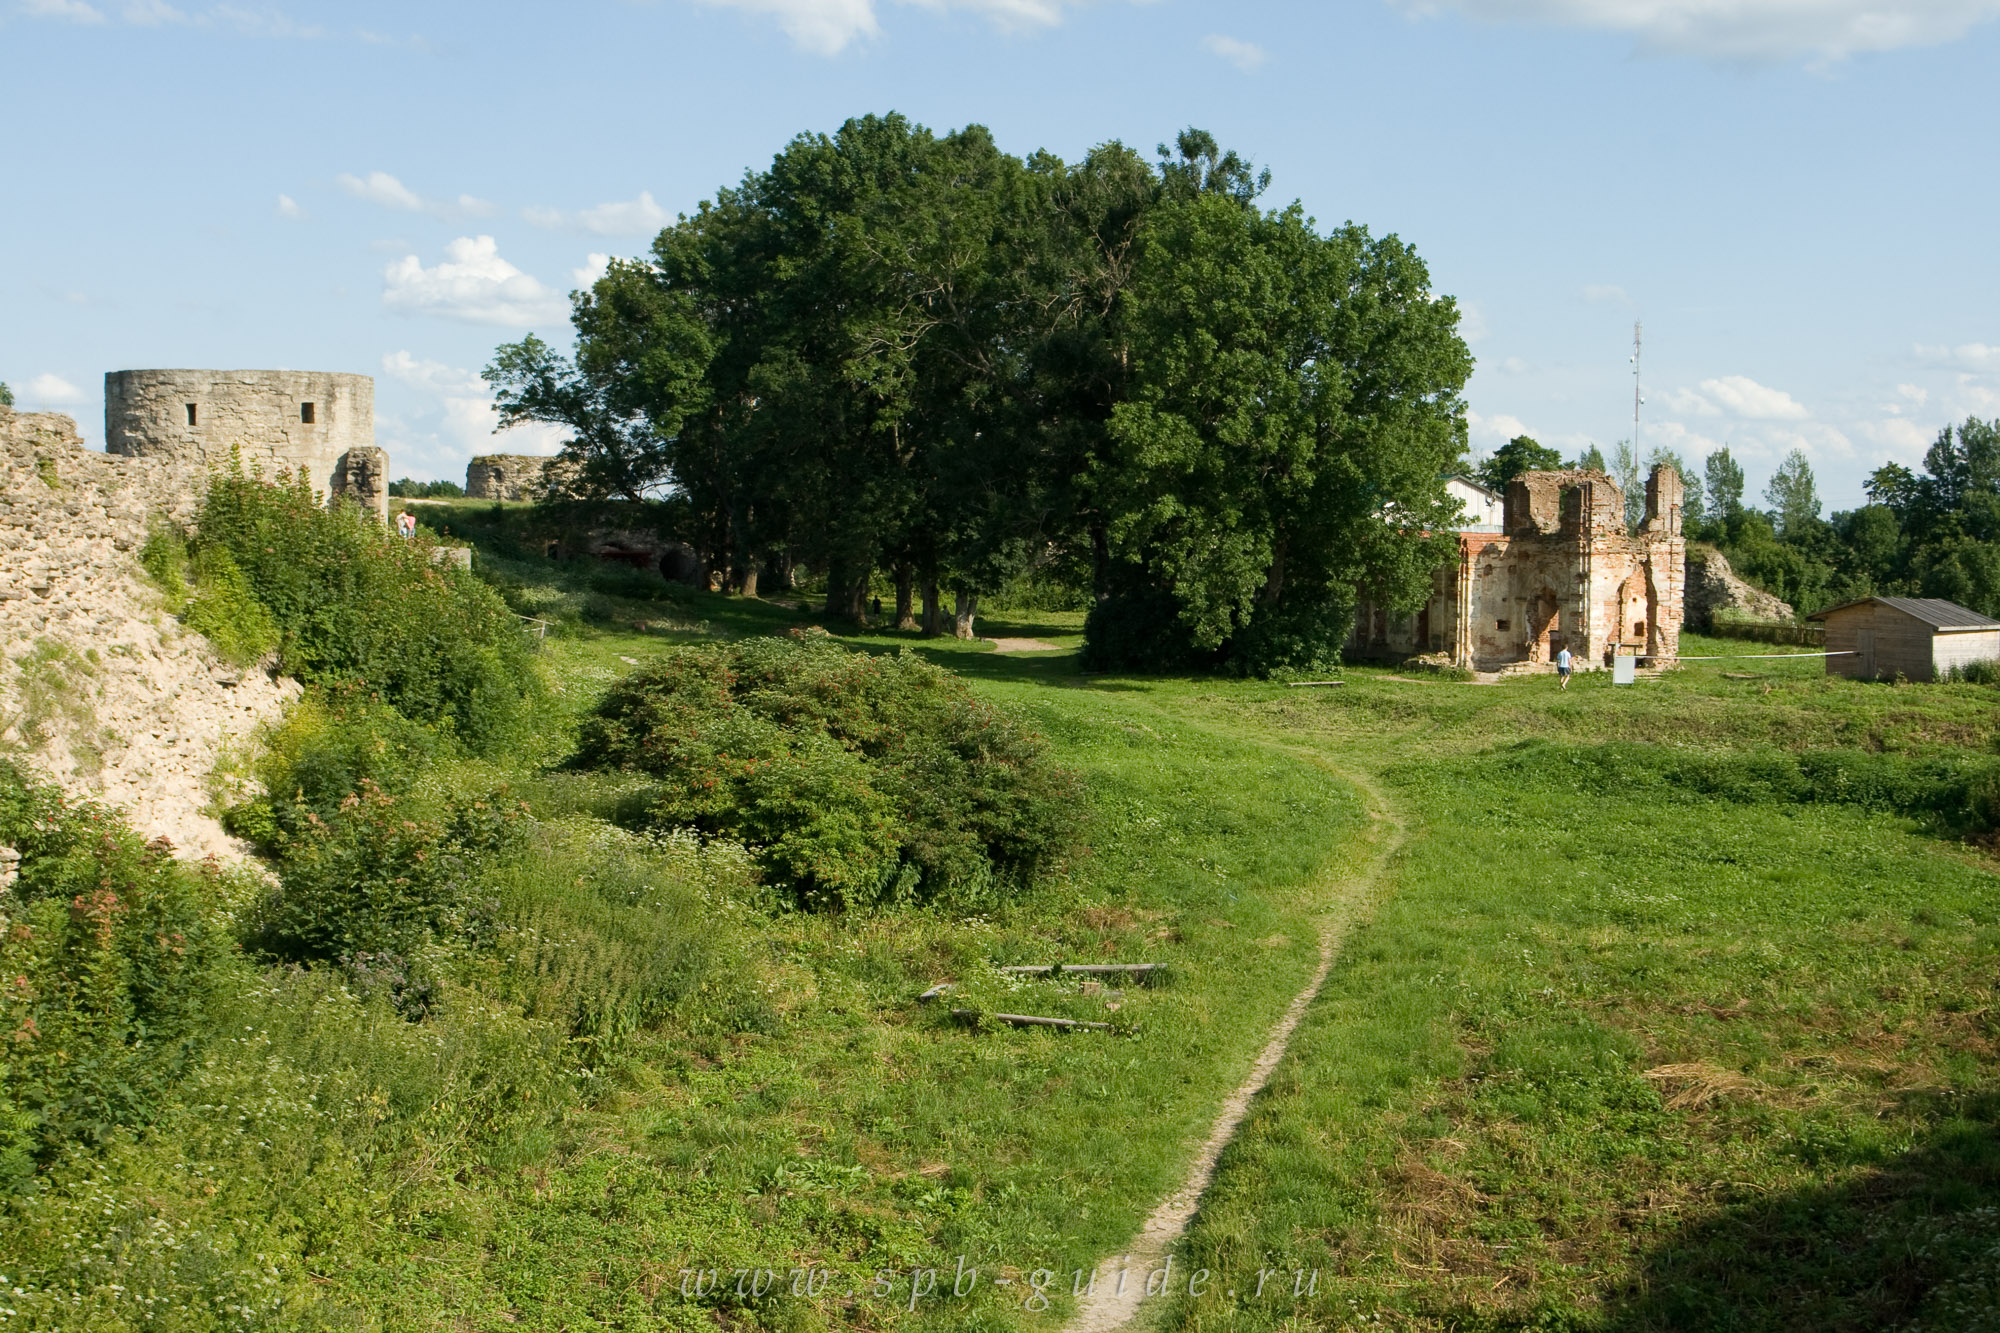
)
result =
(854, 779)
(108, 949)
(353, 604)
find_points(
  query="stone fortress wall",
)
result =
(317, 421)
(515, 476)
(101, 688)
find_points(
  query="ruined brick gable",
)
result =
(1562, 572)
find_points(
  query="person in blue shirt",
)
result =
(1563, 662)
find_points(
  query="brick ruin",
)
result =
(1561, 570)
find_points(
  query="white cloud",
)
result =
(1747, 398)
(1490, 432)
(823, 27)
(159, 14)
(473, 284)
(1743, 30)
(455, 420)
(1915, 394)
(828, 27)
(52, 389)
(1900, 434)
(432, 376)
(1976, 356)
(1600, 291)
(381, 188)
(1471, 322)
(635, 217)
(289, 209)
(71, 11)
(1246, 56)
(594, 267)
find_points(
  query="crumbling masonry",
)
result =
(315, 422)
(1561, 571)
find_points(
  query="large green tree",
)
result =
(1520, 454)
(1295, 406)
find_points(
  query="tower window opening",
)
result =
(191, 414)
(306, 413)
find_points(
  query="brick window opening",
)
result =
(306, 413)
(191, 414)
(1638, 629)
(1500, 624)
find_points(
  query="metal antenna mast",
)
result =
(1637, 397)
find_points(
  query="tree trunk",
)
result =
(857, 599)
(836, 588)
(1100, 563)
(749, 585)
(933, 607)
(906, 578)
(961, 620)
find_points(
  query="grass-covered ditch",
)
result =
(568, 969)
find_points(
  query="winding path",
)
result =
(1113, 1304)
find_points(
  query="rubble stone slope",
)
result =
(100, 688)
(1712, 587)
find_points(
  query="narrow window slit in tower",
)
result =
(191, 414)
(306, 413)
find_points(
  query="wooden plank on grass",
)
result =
(1085, 969)
(1031, 1021)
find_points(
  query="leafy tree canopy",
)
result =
(1510, 460)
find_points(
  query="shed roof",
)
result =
(1933, 611)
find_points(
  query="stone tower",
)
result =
(317, 422)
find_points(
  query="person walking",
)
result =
(1563, 664)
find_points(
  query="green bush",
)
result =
(353, 604)
(109, 948)
(209, 593)
(376, 883)
(330, 745)
(854, 779)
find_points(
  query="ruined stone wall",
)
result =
(100, 688)
(321, 422)
(515, 476)
(1563, 573)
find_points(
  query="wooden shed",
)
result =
(1917, 638)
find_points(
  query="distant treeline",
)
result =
(916, 354)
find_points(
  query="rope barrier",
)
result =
(1758, 657)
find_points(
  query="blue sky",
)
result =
(1798, 197)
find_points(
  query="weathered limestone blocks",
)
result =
(319, 422)
(1712, 587)
(100, 688)
(515, 476)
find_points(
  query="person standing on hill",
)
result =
(1563, 664)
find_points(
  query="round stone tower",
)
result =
(317, 422)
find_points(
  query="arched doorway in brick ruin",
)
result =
(1544, 627)
(1635, 611)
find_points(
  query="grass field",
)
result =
(1626, 1044)
(1673, 1009)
